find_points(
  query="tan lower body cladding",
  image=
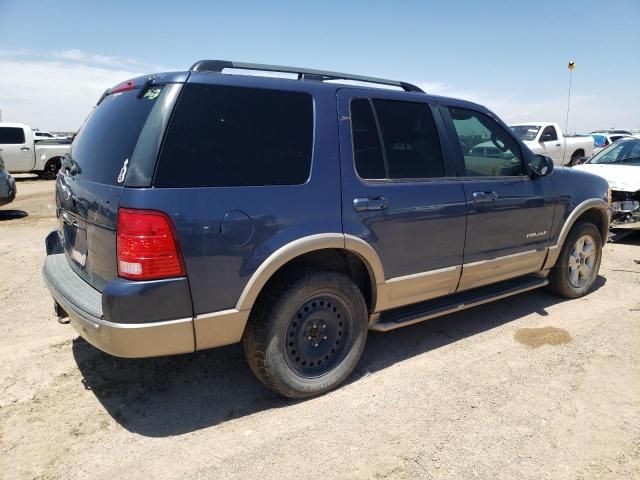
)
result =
(402, 291)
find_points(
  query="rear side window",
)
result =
(11, 136)
(395, 140)
(367, 151)
(109, 135)
(221, 136)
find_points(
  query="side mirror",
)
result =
(540, 166)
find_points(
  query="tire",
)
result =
(574, 159)
(576, 269)
(51, 169)
(307, 333)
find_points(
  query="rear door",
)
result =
(509, 214)
(108, 149)
(16, 149)
(398, 193)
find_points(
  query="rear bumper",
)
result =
(83, 305)
(7, 188)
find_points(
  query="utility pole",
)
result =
(571, 66)
(0, 116)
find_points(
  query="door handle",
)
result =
(484, 197)
(363, 204)
(558, 145)
(25, 149)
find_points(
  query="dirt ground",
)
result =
(528, 387)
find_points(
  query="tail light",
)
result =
(147, 246)
(123, 87)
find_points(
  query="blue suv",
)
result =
(201, 208)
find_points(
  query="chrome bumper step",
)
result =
(401, 317)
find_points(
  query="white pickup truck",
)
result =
(546, 138)
(22, 154)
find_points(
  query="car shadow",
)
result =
(168, 396)
(12, 215)
(24, 177)
(627, 237)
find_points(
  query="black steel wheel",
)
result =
(307, 333)
(51, 169)
(317, 335)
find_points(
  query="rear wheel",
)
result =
(577, 266)
(51, 169)
(575, 158)
(307, 334)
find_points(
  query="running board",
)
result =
(419, 312)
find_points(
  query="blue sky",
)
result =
(56, 57)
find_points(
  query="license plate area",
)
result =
(74, 237)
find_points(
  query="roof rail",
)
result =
(217, 66)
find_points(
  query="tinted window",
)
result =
(367, 151)
(230, 136)
(11, 135)
(409, 136)
(109, 136)
(410, 139)
(488, 149)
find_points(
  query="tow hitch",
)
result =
(62, 315)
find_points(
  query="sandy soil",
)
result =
(528, 387)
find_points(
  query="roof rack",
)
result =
(217, 66)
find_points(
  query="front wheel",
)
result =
(307, 334)
(577, 266)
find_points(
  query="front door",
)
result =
(551, 144)
(509, 214)
(16, 152)
(399, 195)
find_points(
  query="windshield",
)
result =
(109, 135)
(625, 152)
(525, 132)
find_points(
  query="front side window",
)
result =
(402, 144)
(549, 134)
(489, 151)
(11, 136)
(221, 136)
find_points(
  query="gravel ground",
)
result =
(528, 387)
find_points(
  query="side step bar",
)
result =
(419, 312)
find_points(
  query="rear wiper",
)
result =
(147, 83)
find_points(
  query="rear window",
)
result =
(109, 135)
(11, 136)
(221, 136)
